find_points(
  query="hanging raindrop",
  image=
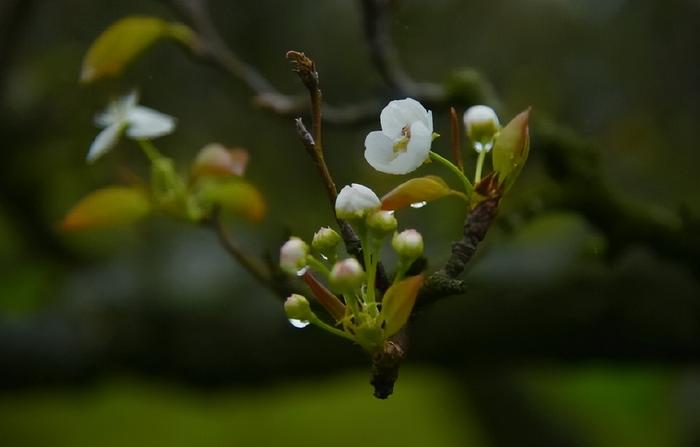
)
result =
(298, 323)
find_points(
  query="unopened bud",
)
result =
(347, 275)
(481, 124)
(293, 255)
(297, 308)
(355, 201)
(325, 240)
(382, 222)
(408, 244)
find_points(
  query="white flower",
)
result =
(293, 255)
(140, 123)
(481, 123)
(355, 201)
(403, 144)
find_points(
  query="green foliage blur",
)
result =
(152, 335)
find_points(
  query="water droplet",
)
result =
(478, 146)
(419, 204)
(302, 271)
(324, 257)
(298, 323)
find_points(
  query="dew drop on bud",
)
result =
(419, 204)
(298, 323)
(302, 271)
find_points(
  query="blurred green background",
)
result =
(575, 331)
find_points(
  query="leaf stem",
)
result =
(479, 165)
(449, 165)
(325, 326)
(149, 149)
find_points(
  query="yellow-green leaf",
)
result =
(235, 196)
(107, 207)
(416, 190)
(398, 302)
(511, 149)
(124, 41)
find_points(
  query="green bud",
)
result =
(325, 240)
(408, 244)
(297, 308)
(346, 276)
(382, 222)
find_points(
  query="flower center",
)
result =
(401, 143)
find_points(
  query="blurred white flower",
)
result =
(140, 123)
(403, 144)
(355, 201)
(481, 124)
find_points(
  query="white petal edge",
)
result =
(378, 149)
(146, 123)
(414, 111)
(104, 141)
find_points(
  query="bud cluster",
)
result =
(351, 282)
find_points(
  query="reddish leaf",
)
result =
(416, 190)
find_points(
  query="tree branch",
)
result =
(306, 70)
(376, 16)
(277, 284)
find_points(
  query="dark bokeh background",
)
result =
(571, 332)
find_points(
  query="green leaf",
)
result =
(233, 195)
(398, 302)
(416, 190)
(124, 41)
(511, 149)
(108, 207)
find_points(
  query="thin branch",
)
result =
(376, 16)
(254, 266)
(212, 49)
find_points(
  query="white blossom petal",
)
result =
(379, 149)
(104, 141)
(106, 118)
(413, 111)
(392, 119)
(146, 123)
(419, 144)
